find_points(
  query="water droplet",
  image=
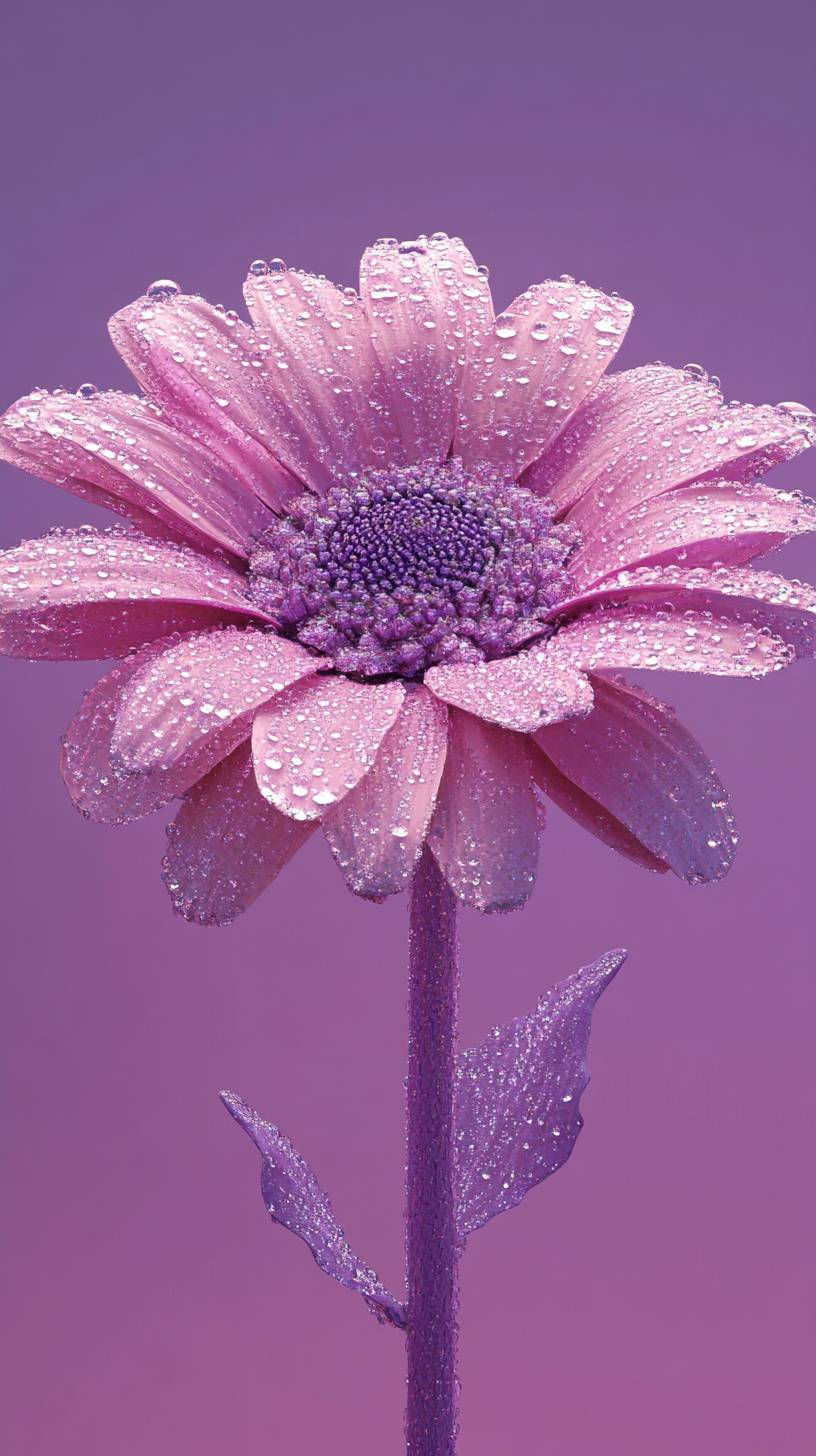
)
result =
(800, 412)
(162, 289)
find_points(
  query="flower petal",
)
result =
(484, 832)
(622, 418)
(691, 435)
(100, 787)
(161, 720)
(210, 374)
(591, 815)
(521, 692)
(691, 641)
(633, 758)
(760, 600)
(518, 1095)
(315, 742)
(423, 300)
(294, 1199)
(117, 451)
(95, 594)
(227, 844)
(327, 372)
(696, 526)
(376, 831)
(547, 353)
(204, 689)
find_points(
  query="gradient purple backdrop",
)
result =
(656, 1296)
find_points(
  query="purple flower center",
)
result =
(413, 566)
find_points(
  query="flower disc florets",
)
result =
(413, 566)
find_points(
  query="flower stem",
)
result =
(431, 1243)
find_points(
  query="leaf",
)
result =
(517, 1095)
(295, 1199)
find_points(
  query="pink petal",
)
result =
(684, 439)
(691, 641)
(327, 374)
(484, 832)
(758, 600)
(470, 306)
(425, 302)
(697, 526)
(633, 758)
(95, 594)
(98, 784)
(521, 692)
(591, 815)
(377, 830)
(547, 353)
(211, 375)
(227, 844)
(204, 690)
(315, 742)
(622, 416)
(117, 451)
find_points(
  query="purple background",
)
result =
(656, 1295)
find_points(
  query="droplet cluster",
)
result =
(412, 567)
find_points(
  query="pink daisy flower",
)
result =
(385, 555)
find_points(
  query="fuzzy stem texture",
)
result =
(431, 1244)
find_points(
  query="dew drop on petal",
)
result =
(162, 289)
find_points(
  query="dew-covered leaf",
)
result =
(294, 1198)
(517, 1113)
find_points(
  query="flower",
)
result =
(386, 554)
